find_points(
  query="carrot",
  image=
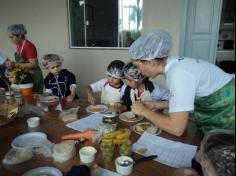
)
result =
(76, 136)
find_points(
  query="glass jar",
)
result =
(110, 118)
(18, 98)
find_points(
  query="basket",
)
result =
(8, 112)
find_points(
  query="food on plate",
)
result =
(96, 109)
(146, 126)
(130, 117)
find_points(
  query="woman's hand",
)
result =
(138, 107)
(150, 105)
(91, 99)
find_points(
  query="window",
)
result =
(104, 23)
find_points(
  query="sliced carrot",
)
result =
(76, 136)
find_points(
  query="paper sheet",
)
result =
(92, 121)
(171, 153)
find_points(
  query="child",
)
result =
(141, 89)
(59, 82)
(6, 65)
(216, 156)
(111, 88)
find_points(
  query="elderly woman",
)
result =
(217, 156)
(194, 84)
(26, 54)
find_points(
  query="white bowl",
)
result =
(33, 122)
(87, 154)
(124, 170)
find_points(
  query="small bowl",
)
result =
(87, 154)
(124, 169)
(50, 100)
(33, 122)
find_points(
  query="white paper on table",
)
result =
(105, 172)
(171, 153)
(92, 121)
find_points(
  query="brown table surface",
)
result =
(55, 128)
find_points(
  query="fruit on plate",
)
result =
(146, 126)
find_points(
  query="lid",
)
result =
(109, 114)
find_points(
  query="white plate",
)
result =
(25, 140)
(124, 117)
(44, 171)
(49, 99)
(159, 131)
(96, 108)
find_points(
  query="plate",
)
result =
(26, 140)
(139, 128)
(96, 108)
(43, 171)
(130, 117)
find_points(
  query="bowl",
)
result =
(87, 154)
(33, 122)
(50, 100)
(124, 165)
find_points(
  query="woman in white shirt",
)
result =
(195, 85)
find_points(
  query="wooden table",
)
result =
(55, 128)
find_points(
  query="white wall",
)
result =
(47, 25)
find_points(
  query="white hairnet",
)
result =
(3, 58)
(51, 58)
(218, 153)
(157, 44)
(17, 29)
(132, 71)
(115, 69)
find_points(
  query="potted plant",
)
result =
(23, 77)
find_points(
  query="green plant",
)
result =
(21, 75)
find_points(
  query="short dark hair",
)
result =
(219, 149)
(116, 64)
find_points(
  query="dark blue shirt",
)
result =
(60, 85)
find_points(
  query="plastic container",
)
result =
(33, 122)
(87, 154)
(26, 89)
(110, 118)
(18, 98)
(124, 165)
(64, 151)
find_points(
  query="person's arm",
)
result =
(32, 64)
(91, 95)
(152, 105)
(175, 123)
(71, 97)
(73, 85)
(185, 172)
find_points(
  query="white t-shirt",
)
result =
(188, 77)
(99, 85)
(160, 93)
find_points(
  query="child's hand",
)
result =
(119, 107)
(91, 99)
(70, 98)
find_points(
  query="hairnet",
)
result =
(17, 29)
(51, 58)
(218, 153)
(115, 69)
(3, 58)
(157, 44)
(132, 71)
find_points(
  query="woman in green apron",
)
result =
(26, 54)
(194, 84)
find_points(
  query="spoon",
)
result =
(126, 163)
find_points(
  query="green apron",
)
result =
(216, 111)
(36, 74)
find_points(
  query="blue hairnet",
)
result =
(132, 71)
(115, 69)
(157, 44)
(3, 58)
(17, 29)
